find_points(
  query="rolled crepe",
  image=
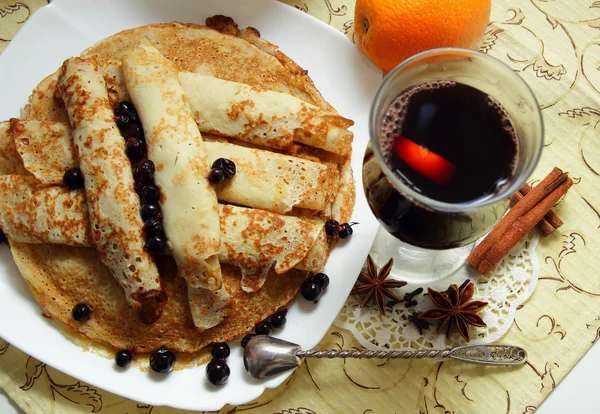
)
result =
(270, 181)
(264, 179)
(208, 308)
(188, 199)
(262, 117)
(10, 162)
(52, 215)
(46, 149)
(254, 240)
(343, 198)
(115, 84)
(113, 205)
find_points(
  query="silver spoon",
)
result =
(266, 356)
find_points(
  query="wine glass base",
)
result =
(414, 264)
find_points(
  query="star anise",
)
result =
(376, 285)
(455, 309)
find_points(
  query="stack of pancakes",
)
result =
(221, 92)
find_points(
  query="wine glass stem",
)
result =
(414, 264)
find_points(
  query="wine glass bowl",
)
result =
(426, 227)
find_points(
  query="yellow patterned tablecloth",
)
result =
(555, 46)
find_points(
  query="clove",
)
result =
(409, 297)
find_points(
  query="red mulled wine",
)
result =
(449, 142)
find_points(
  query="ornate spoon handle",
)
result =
(265, 356)
(478, 354)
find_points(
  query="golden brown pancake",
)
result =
(66, 276)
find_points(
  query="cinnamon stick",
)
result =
(548, 184)
(550, 217)
(520, 227)
(544, 225)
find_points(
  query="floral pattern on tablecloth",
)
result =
(555, 46)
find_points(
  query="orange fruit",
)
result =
(389, 31)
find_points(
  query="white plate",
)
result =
(342, 74)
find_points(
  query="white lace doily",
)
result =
(510, 284)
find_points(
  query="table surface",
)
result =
(555, 44)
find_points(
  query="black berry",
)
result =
(81, 312)
(263, 328)
(154, 227)
(278, 319)
(144, 171)
(123, 121)
(346, 231)
(220, 350)
(133, 117)
(246, 339)
(310, 290)
(123, 358)
(135, 148)
(217, 372)
(125, 114)
(216, 176)
(321, 279)
(138, 187)
(226, 165)
(155, 244)
(149, 211)
(3, 238)
(133, 131)
(150, 193)
(123, 107)
(331, 227)
(162, 361)
(73, 178)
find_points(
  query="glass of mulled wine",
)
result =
(453, 134)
